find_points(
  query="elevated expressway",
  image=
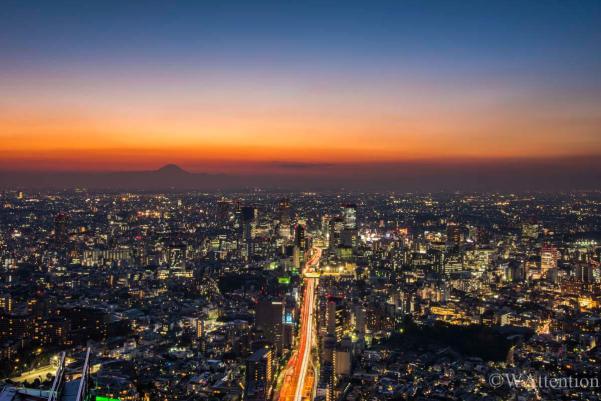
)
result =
(299, 376)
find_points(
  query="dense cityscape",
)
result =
(300, 200)
(334, 296)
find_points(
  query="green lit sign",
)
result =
(101, 398)
(284, 280)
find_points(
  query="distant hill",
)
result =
(169, 176)
(549, 175)
(172, 169)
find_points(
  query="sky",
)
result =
(247, 86)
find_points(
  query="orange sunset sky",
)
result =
(259, 87)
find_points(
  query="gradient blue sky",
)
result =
(131, 84)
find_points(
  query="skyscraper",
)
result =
(248, 217)
(349, 216)
(223, 210)
(454, 234)
(248, 222)
(336, 226)
(61, 234)
(269, 318)
(259, 375)
(300, 239)
(549, 256)
(284, 218)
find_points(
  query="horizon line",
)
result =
(188, 167)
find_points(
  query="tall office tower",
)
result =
(342, 365)
(325, 225)
(349, 238)
(336, 227)
(284, 211)
(259, 375)
(584, 273)
(453, 233)
(222, 213)
(549, 255)
(200, 328)
(248, 220)
(327, 362)
(6, 303)
(321, 310)
(359, 320)
(327, 380)
(349, 235)
(328, 348)
(438, 260)
(300, 238)
(269, 318)
(349, 215)
(300, 246)
(331, 318)
(297, 258)
(61, 231)
(335, 318)
(201, 334)
(284, 215)
(516, 271)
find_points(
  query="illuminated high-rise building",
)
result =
(269, 319)
(259, 375)
(223, 210)
(284, 211)
(325, 225)
(248, 222)
(201, 334)
(61, 233)
(200, 328)
(584, 273)
(335, 233)
(342, 360)
(454, 233)
(335, 319)
(6, 303)
(359, 321)
(284, 216)
(349, 238)
(515, 271)
(300, 239)
(349, 216)
(549, 256)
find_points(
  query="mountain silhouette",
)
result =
(554, 174)
(170, 176)
(172, 169)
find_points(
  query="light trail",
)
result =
(299, 363)
(307, 331)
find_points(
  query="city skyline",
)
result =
(298, 296)
(300, 201)
(269, 87)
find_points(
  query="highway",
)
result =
(299, 365)
(37, 373)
